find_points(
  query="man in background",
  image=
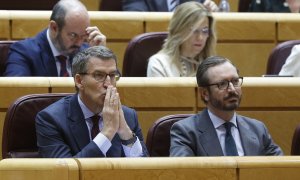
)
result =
(163, 5)
(275, 6)
(50, 53)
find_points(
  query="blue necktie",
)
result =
(230, 146)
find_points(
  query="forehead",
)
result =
(98, 64)
(76, 20)
(202, 22)
(225, 71)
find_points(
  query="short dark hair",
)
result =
(81, 59)
(202, 78)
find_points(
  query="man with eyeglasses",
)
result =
(93, 122)
(218, 130)
(50, 53)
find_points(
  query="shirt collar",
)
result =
(87, 113)
(53, 49)
(217, 122)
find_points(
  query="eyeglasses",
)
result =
(222, 85)
(75, 37)
(204, 31)
(101, 76)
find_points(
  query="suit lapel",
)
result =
(249, 140)
(208, 135)
(161, 5)
(77, 122)
(183, 1)
(47, 57)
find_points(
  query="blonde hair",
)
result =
(184, 18)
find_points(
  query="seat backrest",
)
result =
(27, 5)
(4, 48)
(244, 5)
(139, 50)
(278, 56)
(19, 135)
(158, 137)
(295, 148)
(110, 5)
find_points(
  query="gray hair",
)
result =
(81, 59)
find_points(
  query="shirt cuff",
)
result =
(102, 142)
(135, 150)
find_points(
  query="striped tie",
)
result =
(63, 66)
(173, 5)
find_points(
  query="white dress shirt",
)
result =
(57, 53)
(221, 132)
(102, 141)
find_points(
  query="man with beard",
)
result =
(218, 130)
(92, 122)
(50, 53)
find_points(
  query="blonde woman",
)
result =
(191, 39)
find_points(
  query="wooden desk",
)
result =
(41, 169)
(158, 168)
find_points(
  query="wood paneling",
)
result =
(42, 169)
(249, 58)
(4, 25)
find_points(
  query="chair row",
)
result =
(19, 138)
(141, 47)
(240, 36)
(274, 101)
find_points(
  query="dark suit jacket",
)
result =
(32, 57)
(196, 136)
(62, 132)
(268, 6)
(149, 5)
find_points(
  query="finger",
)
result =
(112, 95)
(107, 96)
(97, 40)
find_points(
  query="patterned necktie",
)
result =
(95, 129)
(230, 146)
(173, 4)
(63, 66)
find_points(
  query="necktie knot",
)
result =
(63, 65)
(95, 128)
(228, 126)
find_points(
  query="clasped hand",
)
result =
(113, 116)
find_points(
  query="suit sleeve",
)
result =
(132, 121)
(270, 147)
(156, 67)
(52, 143)
(135, 5)
(181, 143)
(18, 62)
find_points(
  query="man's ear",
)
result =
(203, 92)
(53, 27)
(79, 83)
